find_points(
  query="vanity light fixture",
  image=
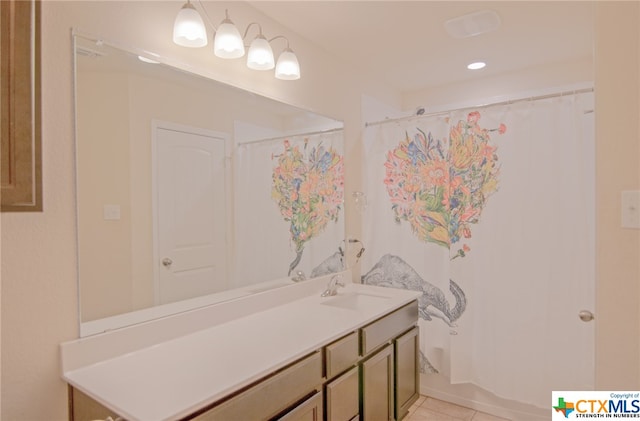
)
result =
(188, 28)
(229, 44)
(260, 55)
(287, 67)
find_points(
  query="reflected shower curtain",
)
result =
(289, 197)
(490, 214)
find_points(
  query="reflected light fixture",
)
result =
(228, 43)
(188, 28)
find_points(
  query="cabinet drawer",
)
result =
(273, 395)
(388, 327)
(341, 354)
(309, 410)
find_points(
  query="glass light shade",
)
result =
(188, 29)
(287, 67)
(260, 55)
(228, 42)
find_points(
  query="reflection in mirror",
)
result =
(192, 192)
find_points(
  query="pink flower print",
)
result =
(502, 129)
(436, 173)
(473, 117)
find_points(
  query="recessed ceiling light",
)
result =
(477, 65)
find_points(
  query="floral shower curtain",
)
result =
(289, 196)
(489, 213)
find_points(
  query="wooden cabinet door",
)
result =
(407, 380)
(376, 381)
(20, 143)
(342, 396)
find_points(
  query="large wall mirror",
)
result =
(192, 192)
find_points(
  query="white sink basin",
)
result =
(355, 301)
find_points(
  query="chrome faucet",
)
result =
(332, 287)
(300, 276)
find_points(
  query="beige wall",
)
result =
(617, 169)
(39, 294)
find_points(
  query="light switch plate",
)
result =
(631, 209)
(111, 212)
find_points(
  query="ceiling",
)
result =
(405, 44)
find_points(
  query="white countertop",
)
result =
(173, 378)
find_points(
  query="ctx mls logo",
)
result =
(595, 404)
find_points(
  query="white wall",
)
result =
(39, 293)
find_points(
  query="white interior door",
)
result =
(190, 212)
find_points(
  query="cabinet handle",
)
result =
(166, 262)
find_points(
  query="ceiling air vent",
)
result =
(473, 24)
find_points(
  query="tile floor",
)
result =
(430, 409)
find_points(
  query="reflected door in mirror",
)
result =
(191, 213)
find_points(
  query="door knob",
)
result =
(166, 262)
(586, 315)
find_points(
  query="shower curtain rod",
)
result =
(251, 142)
(490, 104)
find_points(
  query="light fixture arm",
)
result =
(283, 37)
(246, 31)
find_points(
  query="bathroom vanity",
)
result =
(288, 354)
